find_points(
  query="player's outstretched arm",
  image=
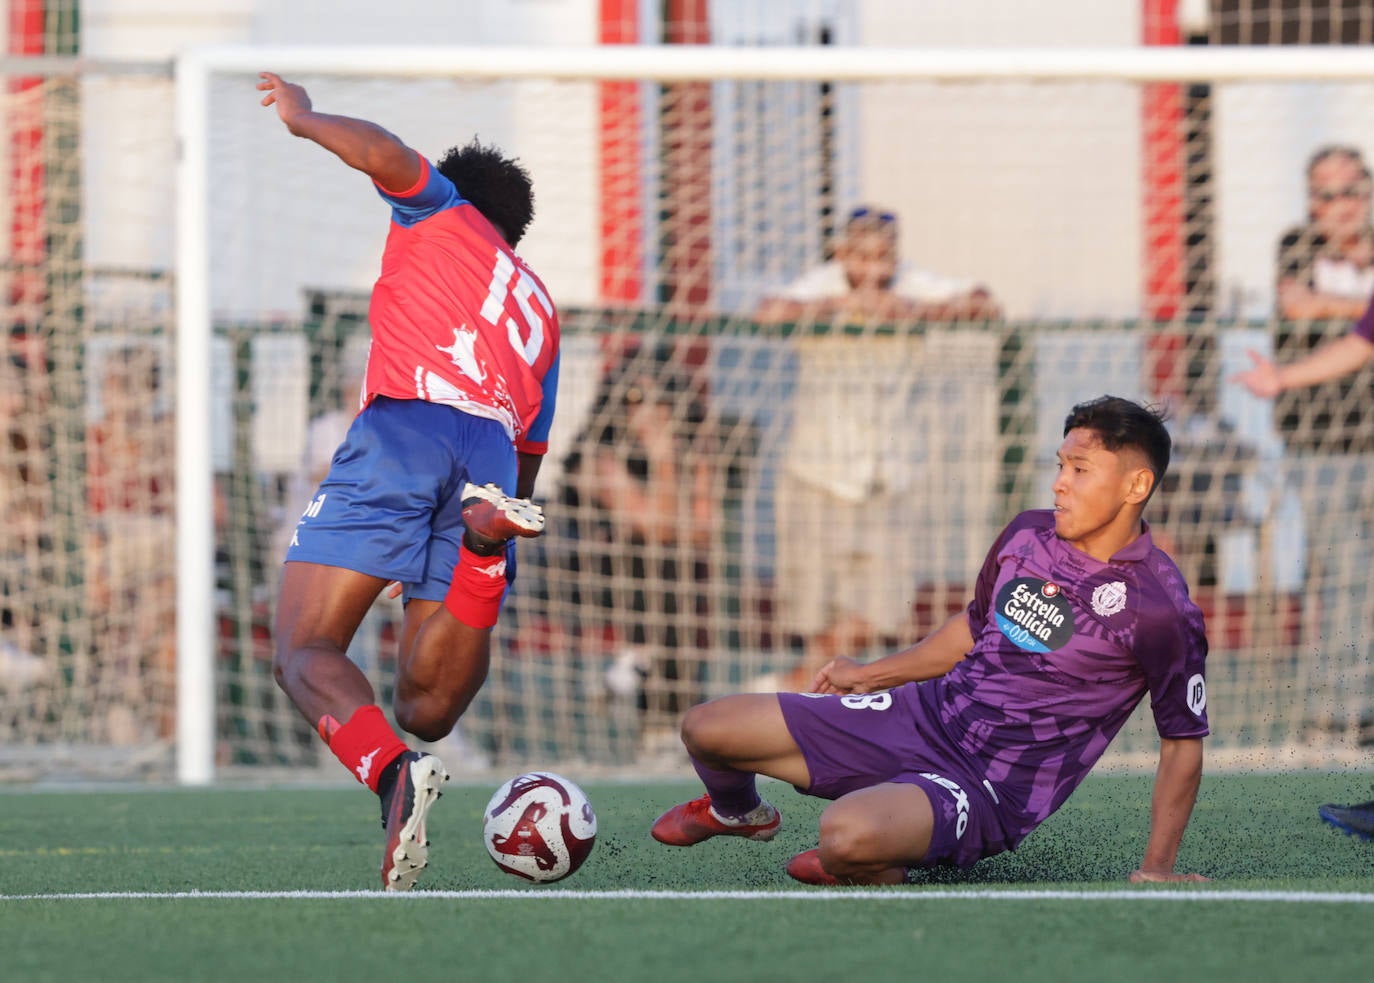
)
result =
(933, 656)
(360, 144)
(1171, 806)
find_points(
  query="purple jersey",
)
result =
(1065, 647)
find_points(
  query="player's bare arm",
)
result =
(1171, 806)
(933, 656)
(360, 144)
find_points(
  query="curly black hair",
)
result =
(498, 186)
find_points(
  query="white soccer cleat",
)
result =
(403, 811)
(491, 514)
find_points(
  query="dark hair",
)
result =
(498, 186)
(1120, 423)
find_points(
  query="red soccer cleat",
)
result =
(491, 515)
(806, 867)
(692, 822)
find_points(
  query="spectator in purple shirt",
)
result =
(958, 747)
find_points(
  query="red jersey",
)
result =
(457, 318)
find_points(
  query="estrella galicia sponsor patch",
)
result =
(1034, 614)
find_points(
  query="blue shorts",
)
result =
(858, 741)
(391, 506)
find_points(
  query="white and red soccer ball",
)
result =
(539, 826)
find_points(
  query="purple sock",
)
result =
(733, 793)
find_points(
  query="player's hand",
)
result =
(839, 675)
(393, 589)
(1262, 378)
(290, 99)
(1142, 876)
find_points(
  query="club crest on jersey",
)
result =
(1034, 615)
(1110, 598)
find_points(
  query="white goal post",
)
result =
(871, 169)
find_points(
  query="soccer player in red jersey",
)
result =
(432, 483)
(958, 747)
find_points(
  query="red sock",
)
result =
(365, 745)
(479, 584)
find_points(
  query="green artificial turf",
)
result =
(1058, 908)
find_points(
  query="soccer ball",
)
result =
(539, 826)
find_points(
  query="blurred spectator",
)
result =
(1325, 272)
(846, 572)
(867, 282)
(324, 433)
(1322, 403)
(24, 516)
(1341, 550)
(1326, 266)
(131, 546)
(642, 495)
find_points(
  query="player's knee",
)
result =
(704, 730)
(849, 845)
(282, 658)
(429, 714)
(425, 719)
(430, 732)
(295, 642)
(279, 669)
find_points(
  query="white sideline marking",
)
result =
(846, 894)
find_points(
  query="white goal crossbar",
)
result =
(686, 62)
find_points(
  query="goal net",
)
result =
(836, 477)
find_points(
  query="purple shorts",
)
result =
(391, 504)
(858, 741)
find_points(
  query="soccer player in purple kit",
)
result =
(431, 485)
(958, 747)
